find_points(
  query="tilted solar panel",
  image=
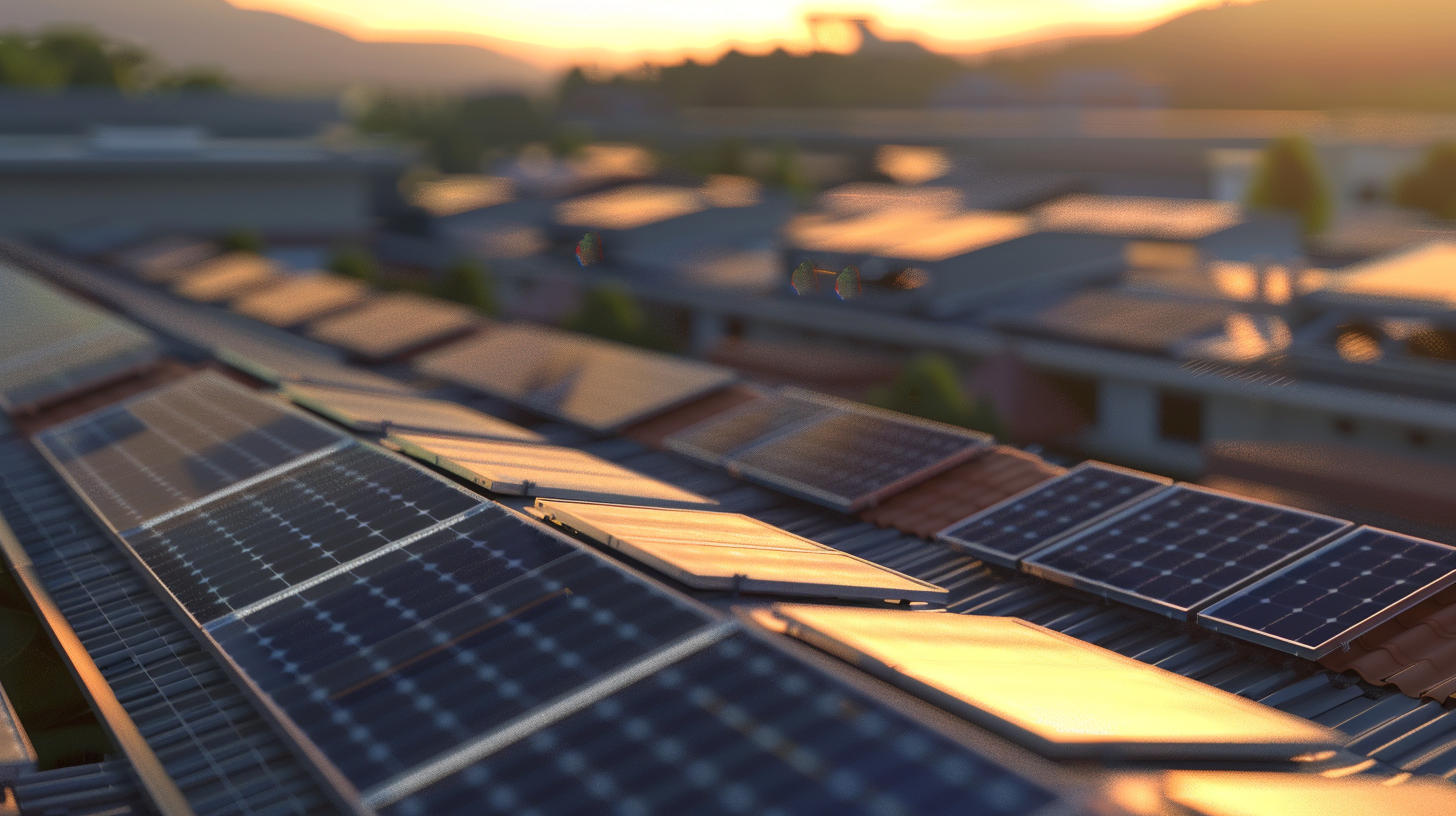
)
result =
(299, 300)
(377, 413)
(595, 383)
(1009, 531)
(1336, 593)
(411, 655)
(718, 438)
(227, 277)
(171, 446)
(849, 460)
(250, 545)
(738, 728)
(720, 551)
(392, 325)
(548, 471)
(1181, 549)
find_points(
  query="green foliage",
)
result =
(781, 79)
(611, 312)
(455, 133)
(928, 388)
(241, 240)
(1432, 186)
(355, 262)
(1289, 180)
(76, 56)
(469, 282)
(56, 717)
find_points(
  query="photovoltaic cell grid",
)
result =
(1181, 549)
(174, 445)
(1008, 532)
(248, 546)
(418, 651)
(1335, 594)
(716, 439)
(737, 728)
(848, 461)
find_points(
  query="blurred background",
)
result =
(1213, 240)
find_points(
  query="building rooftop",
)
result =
(1137, 217)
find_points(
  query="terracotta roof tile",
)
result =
(967, 488)
(1415, 652)
(652, 431)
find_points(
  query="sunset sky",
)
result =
(705, 25)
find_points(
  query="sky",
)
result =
(706, 26)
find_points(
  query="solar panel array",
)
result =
(378, 413)
(598, 384)
(224, 278)
(1009, 531)
(54, 345)
(390, 326)
(717, 439)
(175, 445)
(1337, 593)
(1182, 549)
(722, 551)
(298, 300)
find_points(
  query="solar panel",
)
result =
(299, 300)
(1181, 549)
(709, 553)
(412, 654)
(547, 471)
(176, 444)
(849, 460)
(594, 383)
(392, 325)
(715, 440)
(1336, 593)
(739, 728)
(1007, 532)
(292, 528)
(1014, 678)
(226, 277)
(378, 413)
(54, 345)
(1241, 793)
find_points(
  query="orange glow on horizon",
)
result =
(563, 31)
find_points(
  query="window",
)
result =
(1181, 417)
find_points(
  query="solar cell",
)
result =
(849, 460)
(176, 444)
(288, 530)
(1007, 532)
(1012, 677)
(715, 440)
(1181, 549)
(726, 553)
(411, 654)
(1336, 593)
(226, 277)
(299, 300)
(590, 382)
(738, 728)
(378, 413)
(547, 471)
(392, 325)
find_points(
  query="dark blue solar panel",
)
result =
(1335, 594)
(849, 460)
(177, 444)
(432, 644)
(714, 439)
(1181, 549)
(736, 729)
(1008, 532)
(247, 546)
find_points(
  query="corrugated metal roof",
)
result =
(212, 741)
(102, 789)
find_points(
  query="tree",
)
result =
(1289, 180)
(928, 388)
(1432, 186)
(355, 262)
(467, 281)
(611, 312)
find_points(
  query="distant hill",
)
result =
(1282, 54)
(263, 48)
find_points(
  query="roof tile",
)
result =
(955, 494)
(1415, 651)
